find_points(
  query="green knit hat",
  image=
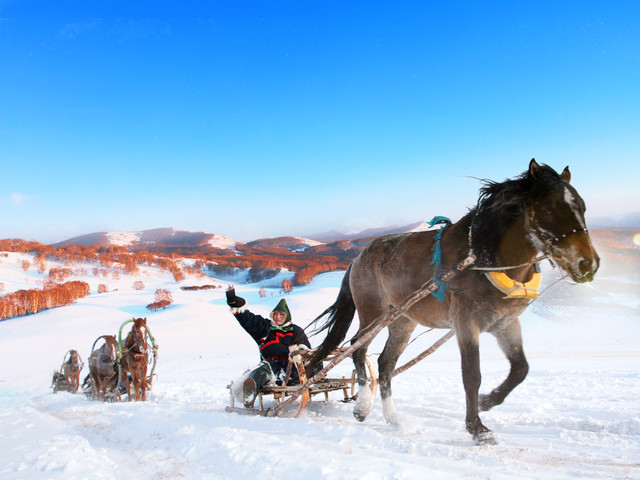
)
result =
(282, 307)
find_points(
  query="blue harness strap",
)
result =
(436, 260)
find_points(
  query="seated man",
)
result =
(273, 335)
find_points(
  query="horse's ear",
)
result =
(566, 174)
(534, 169)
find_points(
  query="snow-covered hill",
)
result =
(157, 238)
(575, 416)
(295, 244)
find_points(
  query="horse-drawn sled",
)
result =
(67, 378)
(492, 254)
(298, 358)
(118, 366)
(285, 395)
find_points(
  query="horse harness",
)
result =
(74, 366)
(551, 241)
(512, 289)
(498, 278)
(134, 353)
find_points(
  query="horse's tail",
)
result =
(340, 315)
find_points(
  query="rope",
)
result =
(412, 340)
(419, 335)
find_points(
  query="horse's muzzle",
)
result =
(584, 268)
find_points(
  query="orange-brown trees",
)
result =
(25, 302)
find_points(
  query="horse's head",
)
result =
(74, 358)
(556, 222)
(110, 346)
(102, 359)
(137, 338)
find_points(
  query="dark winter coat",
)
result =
(273, 341)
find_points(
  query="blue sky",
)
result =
(260, 119)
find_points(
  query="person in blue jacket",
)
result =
(274, 336)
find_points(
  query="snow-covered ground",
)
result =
(577, 415)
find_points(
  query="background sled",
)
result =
(60, 381)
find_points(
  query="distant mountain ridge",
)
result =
(627, 220)
(290, 243)
(156, 237)
(262, 259)
(171, 238)
(334, 235)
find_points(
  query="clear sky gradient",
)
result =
(268, 118)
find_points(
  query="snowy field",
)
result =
(577, 415)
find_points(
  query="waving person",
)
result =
(274, 336)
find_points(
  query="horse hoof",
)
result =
(484, 438)
(485, 403)
(359, 416)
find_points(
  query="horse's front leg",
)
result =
(138, 389)
(95, 387)
(471, 379)
(143, 382)
(510, 341)
(127, 384)
(135, 378)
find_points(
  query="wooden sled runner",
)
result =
(325, 385)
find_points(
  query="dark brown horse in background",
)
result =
(135, 357)
(539, 211)
(102, 367)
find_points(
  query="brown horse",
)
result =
(68, 377)
(102, 361)
(71, 370)
(135, 357)
(539, 211)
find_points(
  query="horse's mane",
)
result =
(501, 203)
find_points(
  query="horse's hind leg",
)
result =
(365, 385)
(370, 307)
(399, 334)
(510, 341)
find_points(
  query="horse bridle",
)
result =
(549, 242)
(568, 234)
(135, 342)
